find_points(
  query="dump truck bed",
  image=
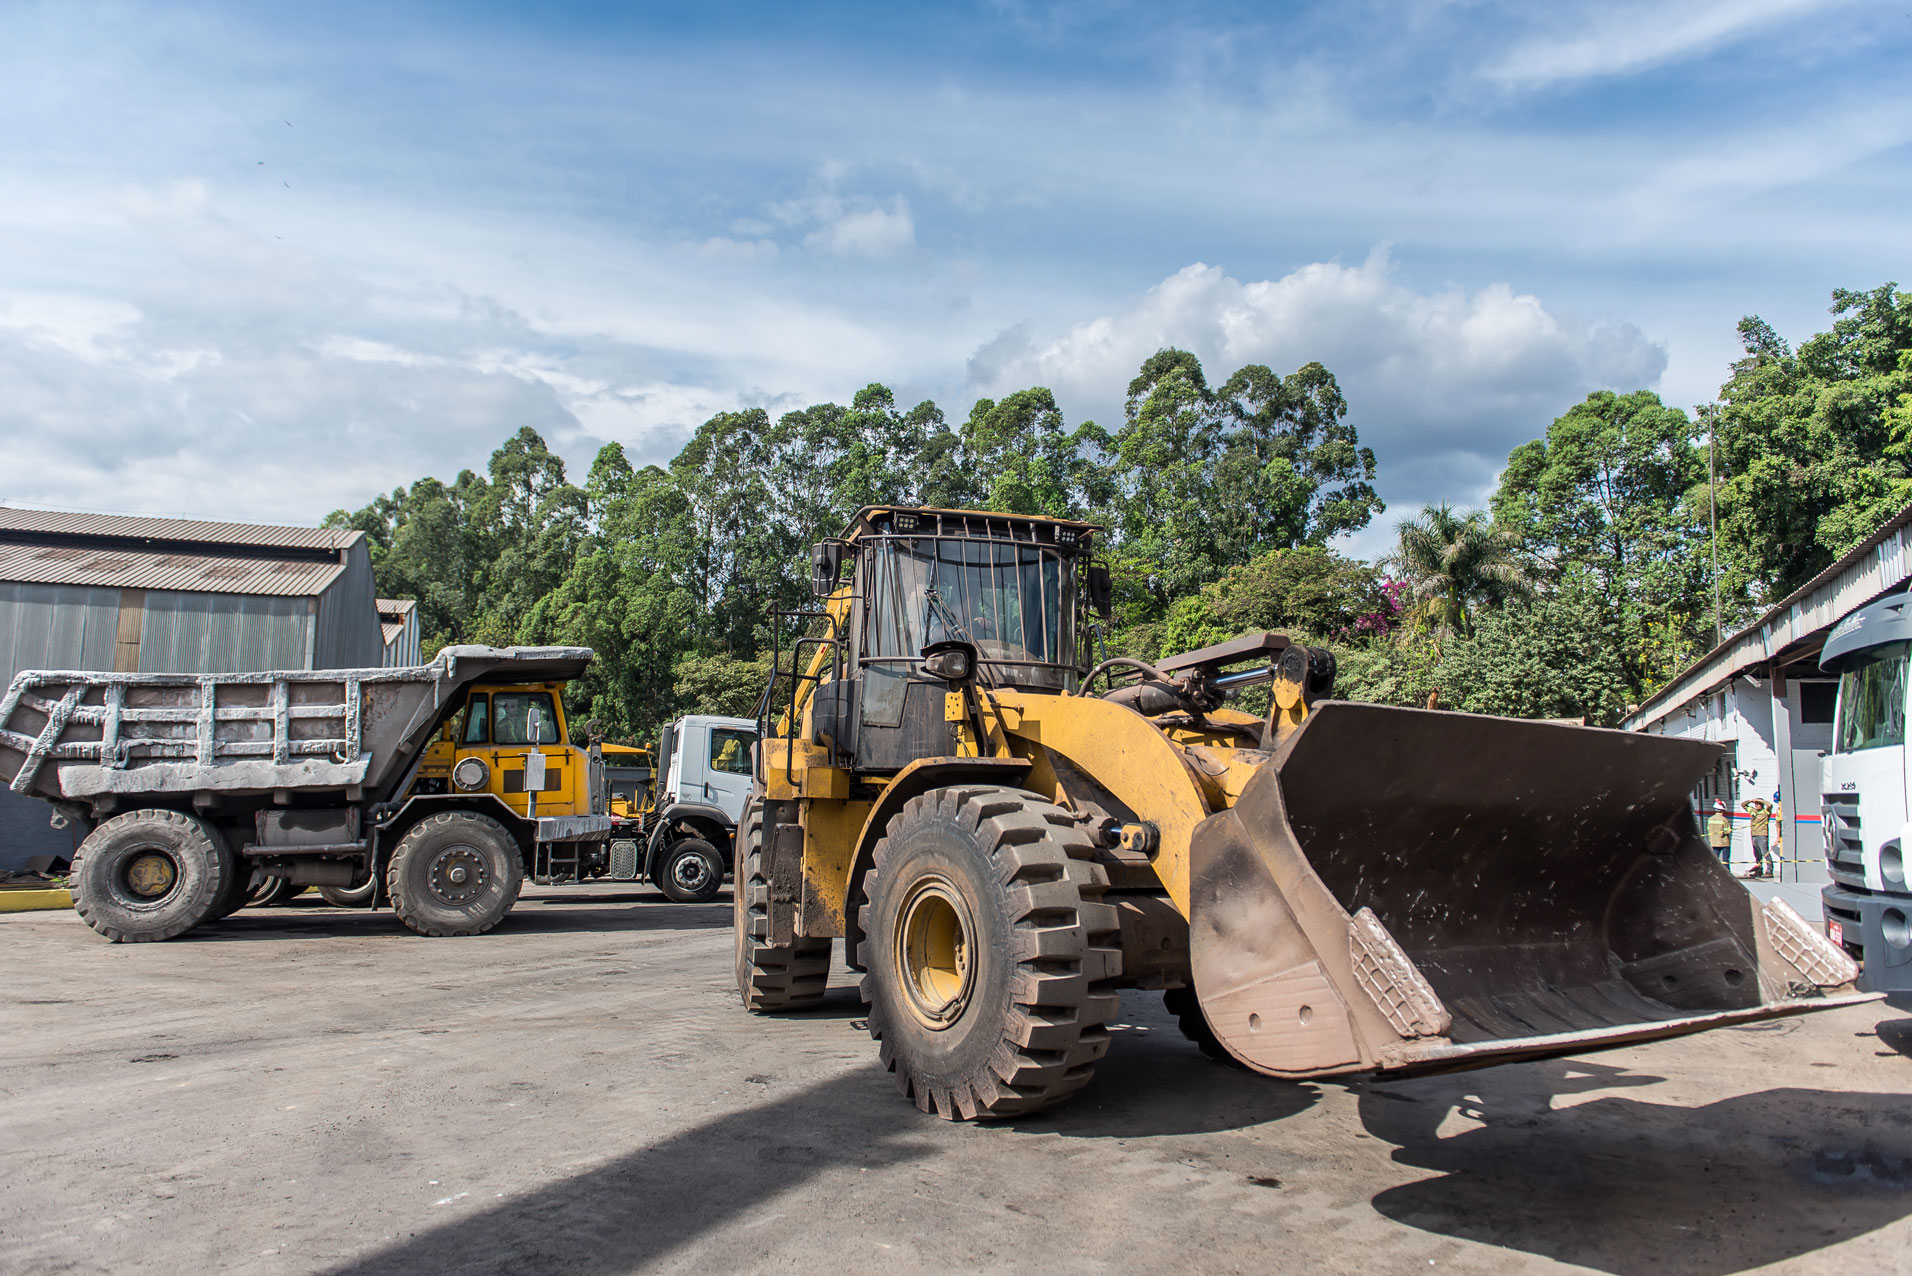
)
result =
(75, 735)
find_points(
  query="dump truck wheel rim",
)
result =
(150, 874)
(458, 875)
(934, 952)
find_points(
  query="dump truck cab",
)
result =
(1006, 831)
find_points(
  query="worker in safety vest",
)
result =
(1760, 823)
(1719, 833)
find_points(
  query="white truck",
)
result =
(1868, 827)
(685, 840)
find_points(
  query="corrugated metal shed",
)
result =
(398, 620)
(75, 523)
(213, 573)
(164, 595)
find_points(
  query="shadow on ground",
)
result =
(1628, 1186)
(641, 1207)
(531, 917)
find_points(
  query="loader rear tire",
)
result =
(991, 957)
(771, 978)
(151, 875)
(454, 873)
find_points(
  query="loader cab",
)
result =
(1002, 591)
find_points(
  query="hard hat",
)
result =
(1719, 804)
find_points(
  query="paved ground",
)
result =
(309, 1090)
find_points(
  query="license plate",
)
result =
(1836, 933)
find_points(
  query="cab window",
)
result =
(730, 750)
(523, 717)
(478, 720)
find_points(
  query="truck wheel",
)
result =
(271, 890)
(238, 883)
(454, 873)
(150, 875)
(691, 871)
(991, 959)
(358, 896)
(770, 977)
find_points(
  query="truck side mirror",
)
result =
(826, 567)
(1101, 590)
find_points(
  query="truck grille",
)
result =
(1845, 852)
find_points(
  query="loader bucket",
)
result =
(1406, 891)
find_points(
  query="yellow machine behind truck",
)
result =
(1324, 888)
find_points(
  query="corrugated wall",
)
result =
(223, 633)
(56, 627)
(349, 635)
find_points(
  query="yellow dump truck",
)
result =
(1006, 833)
(443, 784)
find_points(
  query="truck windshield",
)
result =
(1010, 600)
(523, 717)
(1872, 699)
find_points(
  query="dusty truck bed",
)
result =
(586, 1096)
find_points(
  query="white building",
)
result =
(1761, 693)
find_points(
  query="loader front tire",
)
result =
(454, 873)
(151, 875)
(990, 956)
(771, 978)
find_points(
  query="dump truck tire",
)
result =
(771, 978)
(238, 883)
(150, 875)
(359, 896)
(691, 871)
(454, 873)
(991, 957)
(271, 891)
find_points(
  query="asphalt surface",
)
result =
(309, 1090)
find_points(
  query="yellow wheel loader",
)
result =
(1005, 837)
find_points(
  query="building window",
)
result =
(1816, 700)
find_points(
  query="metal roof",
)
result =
(78, 523)
(1875, 566)
(137, 569)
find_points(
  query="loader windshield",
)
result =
(1013, 601)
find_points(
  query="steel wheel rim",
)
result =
(458, 875)
(149, 874)
(933, 953)
(690, 873)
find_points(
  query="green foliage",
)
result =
(1309, 592)
(1456, 563)
(1613, 501)
(1202, 480)
(1814, 445)
(721, 684)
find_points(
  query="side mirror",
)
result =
(1101, 590)
(826, 567)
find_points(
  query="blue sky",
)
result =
(264, 261)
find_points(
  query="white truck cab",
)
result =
(1868, 902)
(689, 837)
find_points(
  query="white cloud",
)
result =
(868, 232)
(1441, 384)
(1622, 39)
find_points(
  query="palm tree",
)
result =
(1458, 562)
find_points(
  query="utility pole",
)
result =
(1711, 413)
